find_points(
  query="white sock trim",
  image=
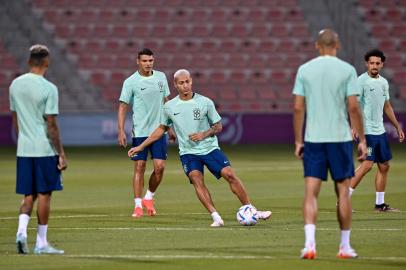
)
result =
(310, 234)
(23, 220)
(345, 239)
(42, 236)
(138, 202)
(380, 198)
(149, 195)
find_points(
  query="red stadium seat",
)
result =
(256, 15)
(238, 14)
(137, 31)
(247, 93)
(82, 31)
(380, 30)
(200, 15)
(121, 31)
(228, 94)
(239, 30)
(238, 77)
(237, 60)
(101, 31)
(219, 30)
(219, 15)
(200, 30)
(275, 15)
(279, 30)
(260, 30)
(399, 30)
(267, 46)
(218, 77)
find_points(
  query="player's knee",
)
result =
(368, 166)
(159, 168)
(384, 167)
(140, 166)
(229, 175)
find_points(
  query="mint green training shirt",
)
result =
(33, 97)
(195, 115)
(326, 82)
(374, 94)
(146, 94)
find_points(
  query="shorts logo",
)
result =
(369, 151)
(161, 86)
(185, 168)
(196, 114)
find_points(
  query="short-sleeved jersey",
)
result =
(374, 94)
(326, 82)
(146, 94)
(33, 97)
(195, 115)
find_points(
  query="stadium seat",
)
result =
(218, 77)
(239, 44)
(228, 94)
(260, 30)
(256, 15)
(239, 30)
(220, 30)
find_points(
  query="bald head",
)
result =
(327, 38)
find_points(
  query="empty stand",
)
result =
(238, 51)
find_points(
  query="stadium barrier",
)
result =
(101, 129)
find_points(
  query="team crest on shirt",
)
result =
(196, 114)
(161, 86)
(369, 151)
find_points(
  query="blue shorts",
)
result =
(158, 149)
(378, 148)
(38, 175)
(215, 161)
(336, 157)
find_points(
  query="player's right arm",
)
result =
(54, 136)
(298, 121)
(155, 135)
(122, 112)
(356, 122)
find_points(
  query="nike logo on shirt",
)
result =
(176, 113)
(142, 89)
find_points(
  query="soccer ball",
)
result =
(247, 215)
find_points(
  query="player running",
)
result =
(374, 100)
(146, 90)
(196, 123)
(40, 154)
(325, 88)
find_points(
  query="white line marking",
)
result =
(208, 256)
(233, 228)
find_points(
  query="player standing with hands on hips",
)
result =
(147, 90)
(40, 154)
(326, 89)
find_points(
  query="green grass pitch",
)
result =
(91, 219)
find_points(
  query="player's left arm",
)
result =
(215, 129)
(15, 121)
(299, 108)
(54, 136)
(390, 114)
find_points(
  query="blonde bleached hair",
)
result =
(181, 72)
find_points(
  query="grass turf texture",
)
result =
(91, 219)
